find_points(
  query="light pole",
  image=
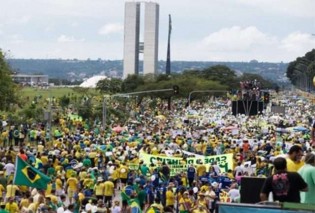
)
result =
(104, 111)
(104, 114)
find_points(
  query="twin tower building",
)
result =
(133, 47)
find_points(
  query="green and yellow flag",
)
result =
(26, 175)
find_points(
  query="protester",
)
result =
(307, 172)
(285, 186)
(294, 159)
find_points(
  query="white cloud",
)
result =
(298, 42)
(23, 19)
(65, 39)
(237, 39)
(247, 43)
(15, 39)
(111, 28)
(300, 8)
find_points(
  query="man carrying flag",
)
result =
(26, 175)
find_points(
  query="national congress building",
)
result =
(132, 45)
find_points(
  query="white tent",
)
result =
(91, 82)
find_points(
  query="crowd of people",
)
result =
(103, 170)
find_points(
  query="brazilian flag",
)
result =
(26, 175)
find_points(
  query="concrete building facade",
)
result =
(132, 38)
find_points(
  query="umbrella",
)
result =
(230, 128)
(300, 129)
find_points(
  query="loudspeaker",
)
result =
(247, 107)
(250, 189)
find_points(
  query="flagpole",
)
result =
(168, 59)
(15, 165)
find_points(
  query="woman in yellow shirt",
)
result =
(11, 206)
(170, 197)
(185, 203)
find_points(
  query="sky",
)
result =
(202, 30)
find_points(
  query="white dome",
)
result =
(91, 82)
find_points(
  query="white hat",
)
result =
(214, 184)
(78, 166)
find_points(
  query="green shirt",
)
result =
(141, 197)
(87, 162)
(308, 174)
(51, 171)
(144, 170)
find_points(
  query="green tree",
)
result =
(64, 101)
(132, 82)
(8, 89)
(220, 73)
(302, 70)
(110, 86)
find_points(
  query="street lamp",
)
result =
(104, 111)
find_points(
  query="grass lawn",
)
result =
(50, 92)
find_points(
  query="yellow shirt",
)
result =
(81, 196)
(99, 189)
(170, 198)
(58, 183)
(1, 189)
(11, 189)
(109, 188)
(293, 166)
(56, 163)
(76, 147)
(49, 188)
(198, 147)
(54, 198)
(184, 181)
(82, 175)
(123, 172)
(12, 207)
(72, 182)
(185, 204)
(201, 170)
(199, 211)
(33, 207)
(24, 203)
(77, 154)
(40, 148)
(88, 182)
(44, 159)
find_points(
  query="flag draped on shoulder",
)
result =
(26, 175)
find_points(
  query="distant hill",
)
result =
(80, 69)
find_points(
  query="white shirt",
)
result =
(234, 193)
(60, 209)
(217, 169)
(116, 209)
(9, 168)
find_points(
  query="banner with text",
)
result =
(178, 164)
